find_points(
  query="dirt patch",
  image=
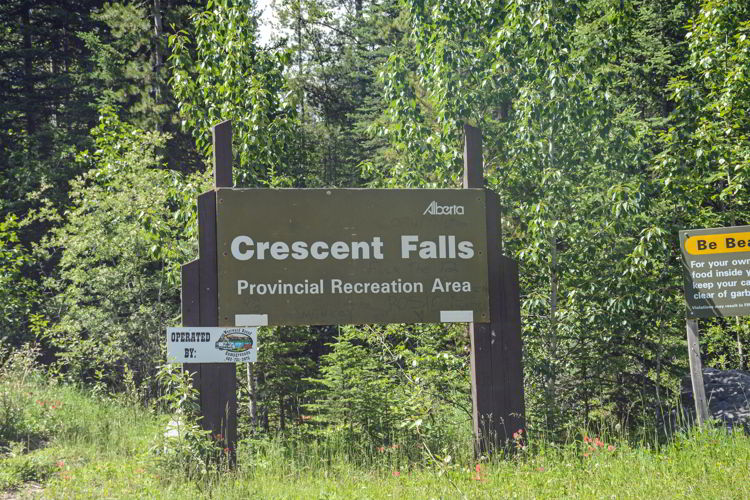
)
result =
(29, 490)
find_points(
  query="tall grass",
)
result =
(76, 444)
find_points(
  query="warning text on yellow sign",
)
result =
(718, 243)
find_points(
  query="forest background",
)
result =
(608, 126)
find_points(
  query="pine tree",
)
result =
(44, 110)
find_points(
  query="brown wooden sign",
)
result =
(358, 256)
(351, 256)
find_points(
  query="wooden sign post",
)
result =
(696, 372)
(496, 349)
(216, 382)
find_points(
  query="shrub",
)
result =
(129, 227)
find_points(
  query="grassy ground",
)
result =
(74, 445)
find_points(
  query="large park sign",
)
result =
(351, 256)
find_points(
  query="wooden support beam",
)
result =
(696, 372)
(222, 140)
(190, 293)
(473, 164)
(509, 325)
(496, 368)
(217, 381)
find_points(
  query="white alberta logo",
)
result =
(434, 209)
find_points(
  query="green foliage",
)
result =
(60, 62)
(178, 396)
(608, 126)
(564, 158)
(129, 73)
(44, 112)
(399, 384)
(287, 357)
(337, 49)
(20, 419)
(220, 73)
(705, 161)
(359, 393)
(130, 226)
(124, 69)
(702, 172)
(59, 432)
(432, 85)
(185, 445)
(17, 468)
(103, 447)
(17, 292)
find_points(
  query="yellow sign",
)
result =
(706, 244)
(716, 270)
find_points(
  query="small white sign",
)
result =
(212, 344)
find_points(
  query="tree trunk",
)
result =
(740, 350)
(158, 32)
(552, 340)
(552, 334)
(158, 56)
(28, 70)
(253, 392)
(658, 367)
